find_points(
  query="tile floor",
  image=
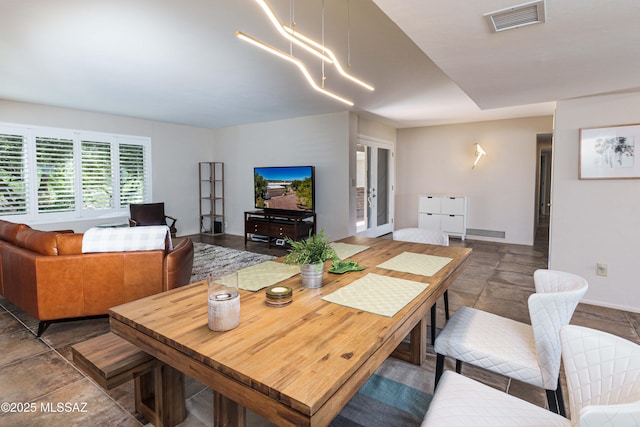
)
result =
(37, 374)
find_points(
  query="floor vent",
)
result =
(517, 16)
(485, 233)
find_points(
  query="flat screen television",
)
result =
(285, 188)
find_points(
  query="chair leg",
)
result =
(551, 400)
(439, 368)
(561, 409)
(446, 304)
(458, 366)
(433, 324)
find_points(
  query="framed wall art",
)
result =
(609, 152)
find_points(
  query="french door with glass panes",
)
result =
(375, 188)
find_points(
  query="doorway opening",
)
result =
(544, 144)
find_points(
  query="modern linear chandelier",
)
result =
(318, 49)
(297, 62)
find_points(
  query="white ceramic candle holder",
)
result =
(224, 301)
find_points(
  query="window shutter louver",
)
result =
(55, 166)
(133, 174)
(97, 176)
(13, 175)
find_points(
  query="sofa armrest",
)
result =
(178, 265)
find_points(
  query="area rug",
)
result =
(209, 258)
(398, 394)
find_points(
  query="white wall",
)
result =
(500, 190)
(595, 220)
(376, 130)
(175, 151)
(321, 141)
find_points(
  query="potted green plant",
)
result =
(311, 254)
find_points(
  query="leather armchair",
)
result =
(150, 214)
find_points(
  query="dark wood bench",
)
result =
(111, 361)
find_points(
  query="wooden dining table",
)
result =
(296, 365)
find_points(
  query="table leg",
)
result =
(416, 350)
(227, 413)
(418, 343)
(159, 396)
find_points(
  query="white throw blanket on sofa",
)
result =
(123, 239)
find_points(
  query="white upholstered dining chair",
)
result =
(462, 402)
(603, 379)
(528, 353)
(432, 237)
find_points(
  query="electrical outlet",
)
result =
(602, 269)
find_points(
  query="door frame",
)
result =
(375, 143)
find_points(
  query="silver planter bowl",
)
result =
(311, 275)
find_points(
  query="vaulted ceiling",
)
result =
(431, 62)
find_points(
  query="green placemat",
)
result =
(377, 294)
(346, 250)
(409, 262)
(259, 276)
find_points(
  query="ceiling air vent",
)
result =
(517, 16)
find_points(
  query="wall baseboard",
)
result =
(610, 305)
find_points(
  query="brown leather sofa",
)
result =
(46, 274)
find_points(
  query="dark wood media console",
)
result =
(278, 225)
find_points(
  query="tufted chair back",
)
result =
(603, 377)
(550, 308)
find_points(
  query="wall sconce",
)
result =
(479, 153)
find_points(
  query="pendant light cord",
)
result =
(292, 22)
(323, 75)
(349, 34)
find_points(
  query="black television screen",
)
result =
(284, 188)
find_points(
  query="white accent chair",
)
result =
(462, 402)
(603, 378)
(433, 237)
(528, 353)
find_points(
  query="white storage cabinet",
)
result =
(444, 213)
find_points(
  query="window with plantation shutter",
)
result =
(133, 174)
(13, 174)
(56, 174)
(97, 175)
(61, 174)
